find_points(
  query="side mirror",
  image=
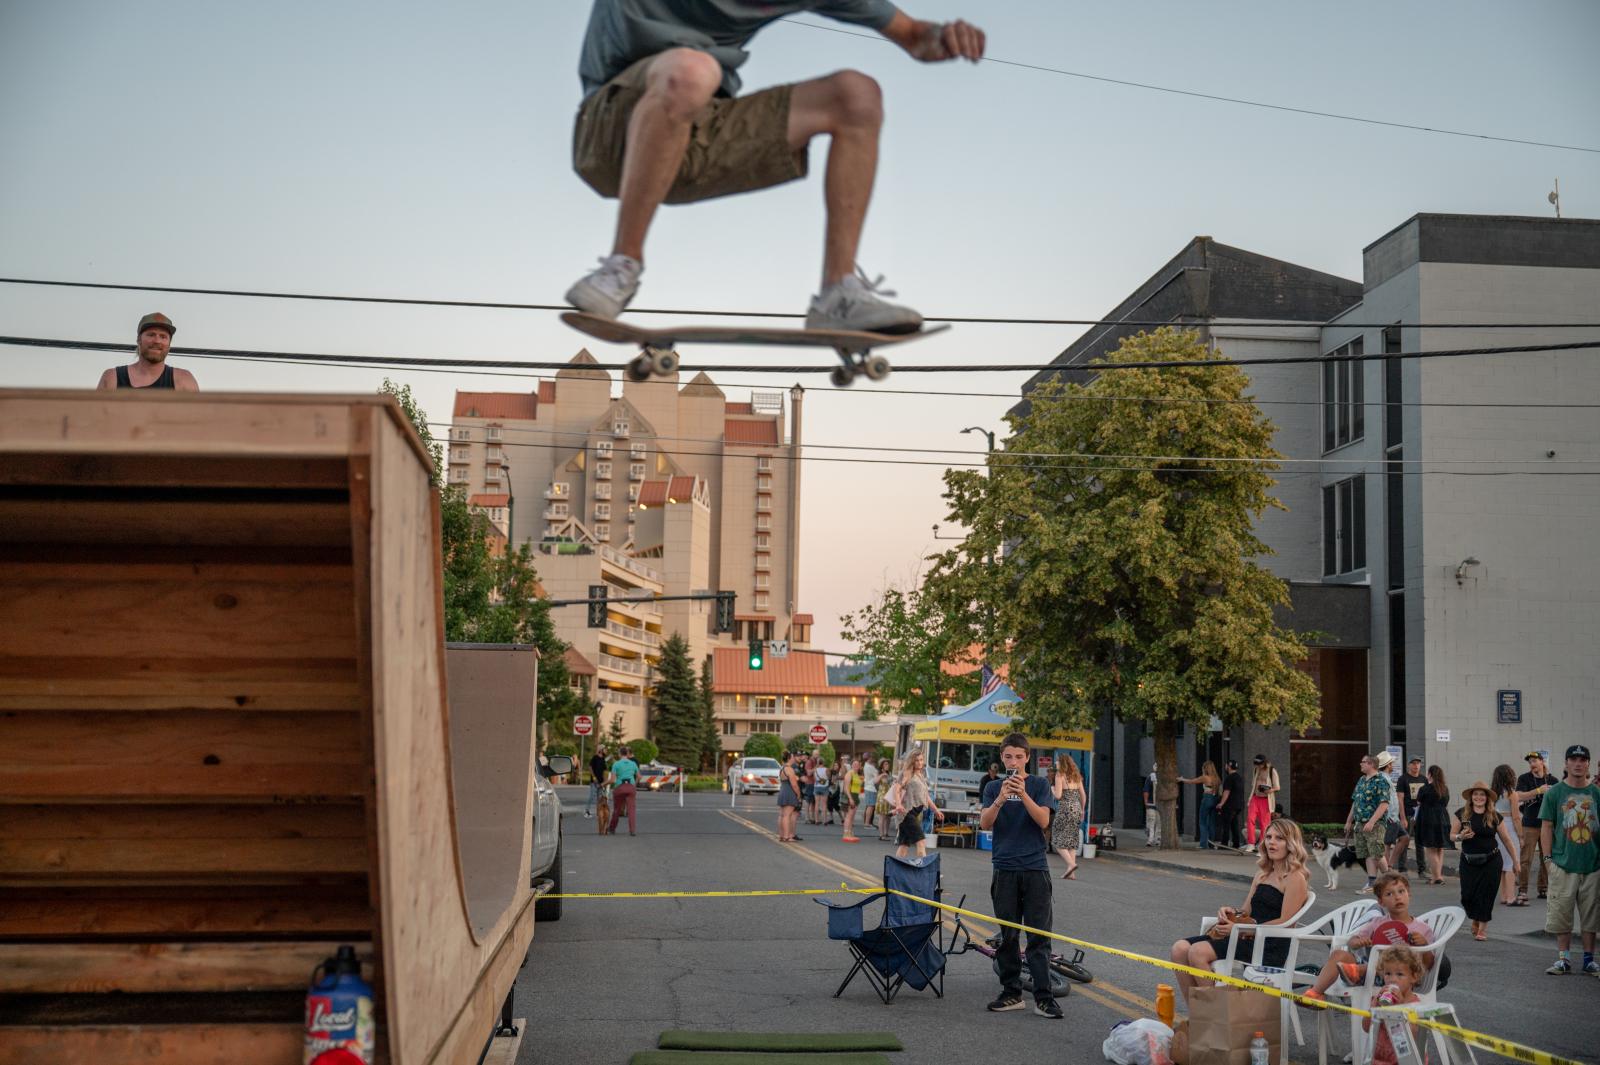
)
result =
(560, 765)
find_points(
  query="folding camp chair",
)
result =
(909, 944)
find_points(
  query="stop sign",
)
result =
(582, 725)
(819, 733)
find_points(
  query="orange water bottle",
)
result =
(1166, 1008)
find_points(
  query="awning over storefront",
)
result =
(980, 722)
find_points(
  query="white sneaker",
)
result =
(606, 291)
(856, 303)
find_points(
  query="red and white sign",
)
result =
(582, 725)
(819, 733)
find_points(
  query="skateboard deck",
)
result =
(657, 358)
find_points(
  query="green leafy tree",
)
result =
(644, 751)
(1119, 571)
(802, 745)
(763, 745)
(904, 644)
(711, 732)
(680, 727)
(490, 599)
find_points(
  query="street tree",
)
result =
(903, 645)
(679, 727)
(490, 598)
(614, 733)
(1112, 544)
(763, 745)
(711, 733)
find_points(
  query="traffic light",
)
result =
(756, 657)
(724, 612)
(597, 606)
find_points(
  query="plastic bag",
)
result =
(1141, 1042)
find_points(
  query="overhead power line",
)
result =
(1128, 467)
(1008, 454)
(877, 390)
(684, 312)
(397, 361)
(1124, 82)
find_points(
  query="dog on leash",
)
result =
(1332, 859)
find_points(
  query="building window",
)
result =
(763, 484)
(602, 511)
(602, 471)
(764, 704)
(763, 580)
(730, 728)
(1344, 526)
(763, 503)
(1343, 397)
(763, 600)
(602, 491)
(763, 521)
(494, 432)
(602, 532)
(459, 454)
(636, 452)
(458, 475)
(620, 427)
(774, 727)
(1397, 668)
(635, 471)
(763, 541)
(461, 434)
(557, 510)
(1323, 758)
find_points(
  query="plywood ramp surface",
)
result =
(225, 740)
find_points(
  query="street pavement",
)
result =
(607, 978)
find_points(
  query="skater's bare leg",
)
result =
(848, 106)
(679, 83)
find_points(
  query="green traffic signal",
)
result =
(755, 654)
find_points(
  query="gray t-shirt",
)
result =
(622, 32)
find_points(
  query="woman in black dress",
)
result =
(1277, 893)
(1433, 821)
(1477, 828)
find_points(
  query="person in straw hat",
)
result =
(1480, 831)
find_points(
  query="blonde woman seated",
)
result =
(1277, 893)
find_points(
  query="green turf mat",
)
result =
(756, 1057)
(805, 1042)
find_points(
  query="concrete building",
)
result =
(697, 493)
(786, 697)
(1451, 576)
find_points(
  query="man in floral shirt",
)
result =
(1369, 808)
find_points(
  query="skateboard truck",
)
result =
(857, 362)
(652, 361)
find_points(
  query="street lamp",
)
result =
(511, 509)
(987, 433)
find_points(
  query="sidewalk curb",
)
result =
(1156, 863)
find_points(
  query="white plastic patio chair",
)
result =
(1445, 922)
(1228, 959)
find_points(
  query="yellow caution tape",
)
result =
(1504, 1047)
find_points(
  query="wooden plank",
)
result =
(467, 1031)
(503, 1049)
(169, 1044)
(178, 755)
(274, 618)
(95, 563)
(332, 910)
(120, 822)
(157, 681)
(163, 471)
(95, 423)
(170, 523)
(137, 968)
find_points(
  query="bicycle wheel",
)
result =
(1072, 970)
(1058, 983)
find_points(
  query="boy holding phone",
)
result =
(1017, 808)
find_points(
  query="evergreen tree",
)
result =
(679, 730)
(614, 734)
(1112, 547)
(711, 739)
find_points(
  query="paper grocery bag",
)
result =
(1179, 1050)
(1223, 1020)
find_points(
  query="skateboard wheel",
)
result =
(876, 367)
(638, 368)
(663, 361)
(841, 377)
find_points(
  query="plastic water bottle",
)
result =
(1260, 1053)
(339, 1019)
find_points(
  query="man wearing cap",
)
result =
(1569, 816)
(150, 369)
(1369, 809)
(1534, 784)
(1410, 786)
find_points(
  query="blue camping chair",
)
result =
(909, 944)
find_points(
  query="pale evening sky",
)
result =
(422, 150)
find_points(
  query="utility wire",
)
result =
(704, 313)
(878, 391)
(397, 361)
(1226, 99)
(1007, 455)
(786, 456)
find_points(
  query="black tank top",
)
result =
(164, 381)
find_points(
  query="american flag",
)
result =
(990, 679)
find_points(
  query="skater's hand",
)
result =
(939, 42)
(1417, 939)
(1359, 943)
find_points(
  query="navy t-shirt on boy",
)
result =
(1019, 842)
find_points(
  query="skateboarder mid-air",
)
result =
(661, 122)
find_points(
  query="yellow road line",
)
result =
(1100, 992)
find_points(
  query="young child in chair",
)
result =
(1399, 973)
(1393, 926)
